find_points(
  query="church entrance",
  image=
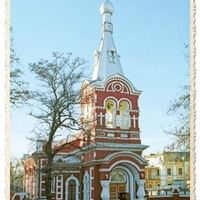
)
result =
(115, 189)
(118, 183)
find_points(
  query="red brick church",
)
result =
(109, 161)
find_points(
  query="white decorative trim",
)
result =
(121, 138)
(86, 185)
(94, 154)
(121, 78)
(135, 120)
(119, 162)
(99, 107)
(59, 187)
(91, 179)
(117, 154)
(41, 182)
(101, 116)
(72, 177)
(65, 171)
(114, 84)
(117, 131)
(117, 145)
(124, 136)
(126, 99)
(113, 98)
(130, 178)
(110, 135)
(136, 110)
(105, 146)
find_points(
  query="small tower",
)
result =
(109, 99)
(107, 61)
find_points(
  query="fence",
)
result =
(168, 195)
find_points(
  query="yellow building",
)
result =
(167, 170)
(152, 175)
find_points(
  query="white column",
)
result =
(174, 173)
(163, 176)
(105, 194)
(140, 191)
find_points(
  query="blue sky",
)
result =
(150, 37)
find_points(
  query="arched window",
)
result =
(124, 108)
(112, 55)
(118, 177)
(110, 113)
(72, 190)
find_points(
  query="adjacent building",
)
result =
(167, 170)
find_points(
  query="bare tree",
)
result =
(16, 175)
(180, 132)
(56, 102)
(19, 93)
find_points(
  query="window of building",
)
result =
(169, 171)
(124, 114)
(149, 174)
(111, 56)
(42, 185)
(43, 162)
(59, 186)
(110, 113)
(158, 172)
(180, 171)
(118, 177)
(72, 190)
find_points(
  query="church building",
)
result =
(105, 160)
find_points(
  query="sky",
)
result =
(150, 37)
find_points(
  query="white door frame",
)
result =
(132, 175)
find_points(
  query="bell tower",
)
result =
(110, 115)
(110, 101)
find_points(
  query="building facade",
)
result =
(106, 159)
(168, 170)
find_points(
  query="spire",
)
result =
(107, 60)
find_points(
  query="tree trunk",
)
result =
(48, 178)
